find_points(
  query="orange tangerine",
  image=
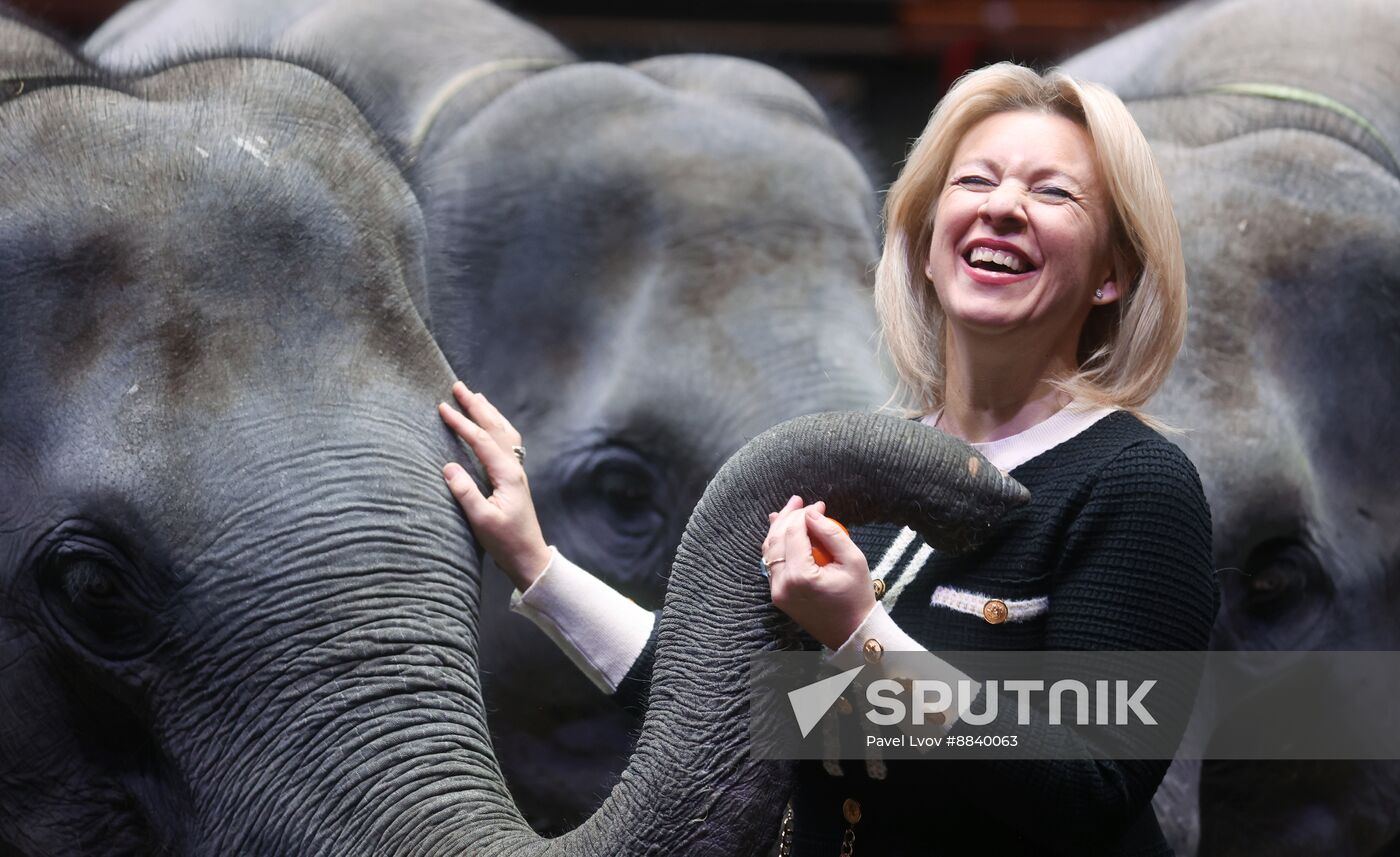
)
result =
(821, 557)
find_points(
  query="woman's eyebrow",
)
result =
(975, 163)
(1059, 177)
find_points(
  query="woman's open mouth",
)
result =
(995, 266)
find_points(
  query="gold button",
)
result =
(994, 611)
(873, 651)
(850, 810)
(879, 589)
(843, 706)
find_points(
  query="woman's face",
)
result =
(1021, 230)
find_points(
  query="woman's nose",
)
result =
(1005, 204)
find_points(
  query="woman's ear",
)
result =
(1107, 291)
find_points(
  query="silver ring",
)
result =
(519, 454)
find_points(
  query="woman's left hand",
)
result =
(828, 601)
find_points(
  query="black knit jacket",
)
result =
(1117, 535)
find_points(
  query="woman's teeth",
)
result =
(993, 259)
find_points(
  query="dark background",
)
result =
(879, 65)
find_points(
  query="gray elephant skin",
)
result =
(643, 266)
(234, 605)
(1289, 206)
(239, 607)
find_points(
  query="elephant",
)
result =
(1277, 127)
(240, 607)
(643, 266)
(229, 580)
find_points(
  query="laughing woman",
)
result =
(1033, 298)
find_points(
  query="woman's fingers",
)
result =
(463, 487)
(828, 535)
(464, 428)
(501, 465)
(775, 526)
(484, 414)
(796, 546)
(505, 523)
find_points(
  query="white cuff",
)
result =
(878, 634)
(602, 631)
(877, 626)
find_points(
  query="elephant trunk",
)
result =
(362, 742)
(692, 786)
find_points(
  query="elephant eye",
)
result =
(617, 508)
(629, 491)
(1278, 575)
(85, 593)
(87, 583)
(1279, 598)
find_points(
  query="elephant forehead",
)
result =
(679, 345)
(191, 254)
(1285, 380)
(1324, 269)
(1282, 267)
(671, 165)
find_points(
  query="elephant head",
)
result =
(235, 603)
(1276, 126)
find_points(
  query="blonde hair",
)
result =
(1127, 347)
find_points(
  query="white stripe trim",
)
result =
(971, 603)
(896, 550)
(911, 569)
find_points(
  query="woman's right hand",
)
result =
(505, 522)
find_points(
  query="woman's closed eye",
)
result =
(1053, 192)
(974, 182)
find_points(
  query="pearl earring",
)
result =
(1098, 293)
